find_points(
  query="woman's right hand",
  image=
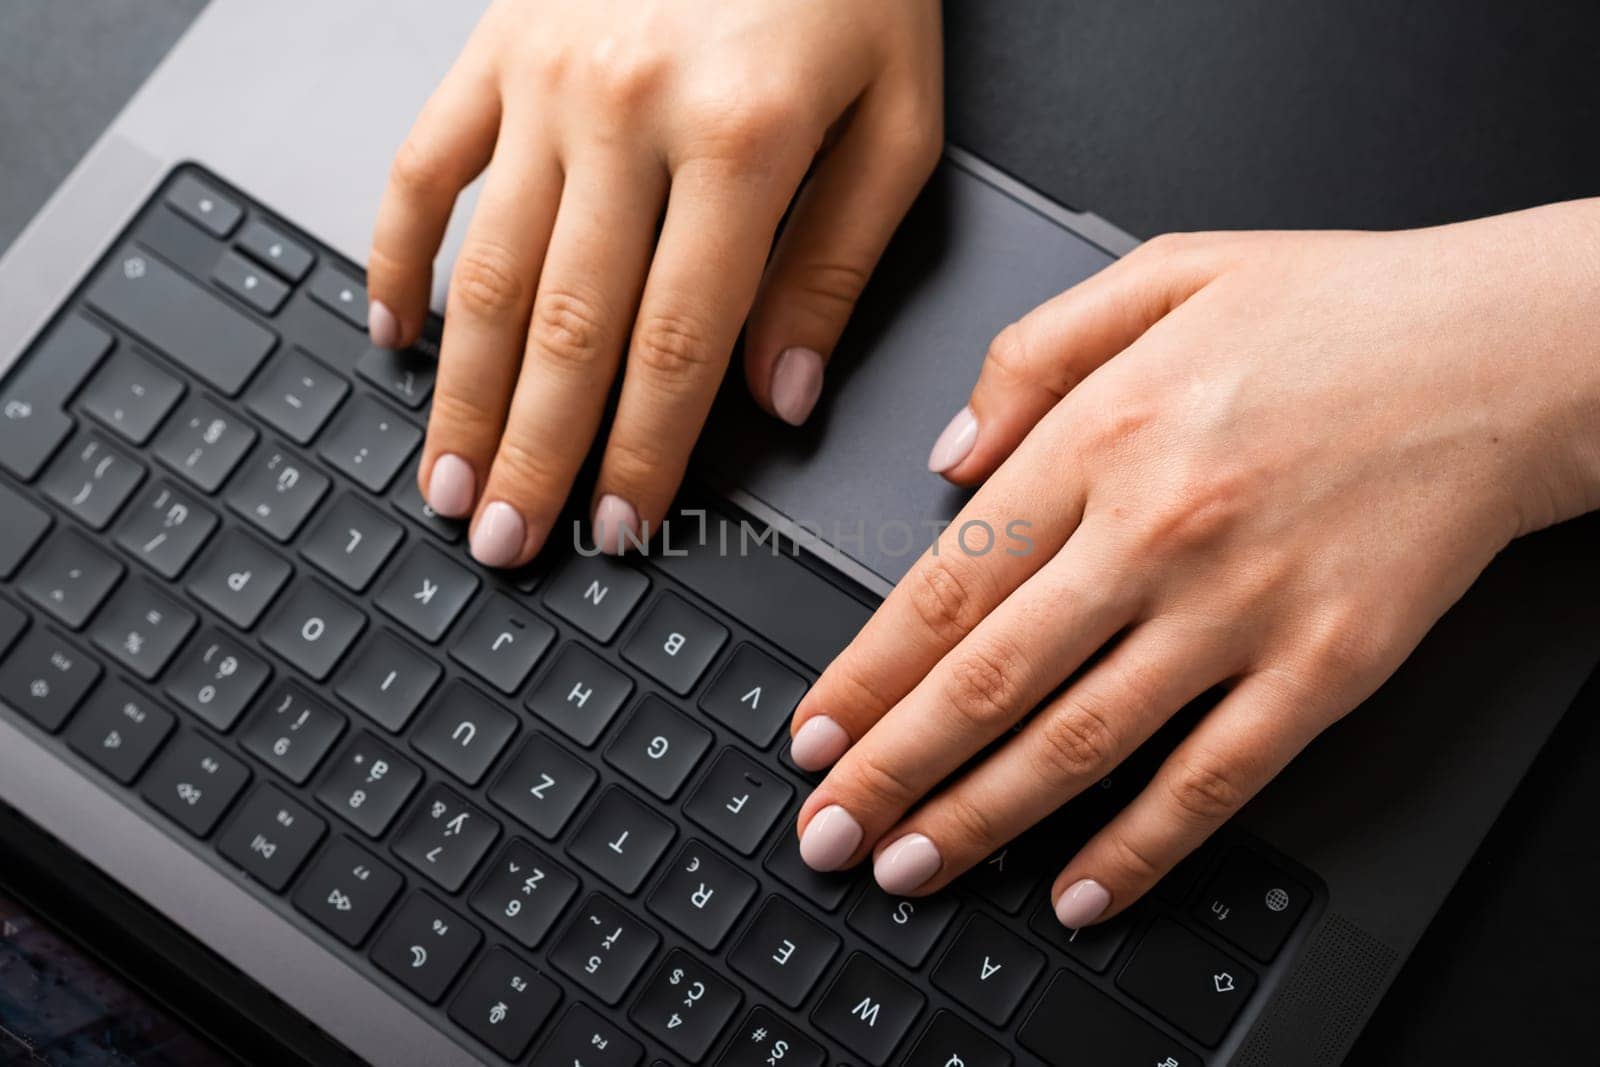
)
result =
(640, 157)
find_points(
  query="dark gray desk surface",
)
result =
(1254, 113)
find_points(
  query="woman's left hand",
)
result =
(1263, 461)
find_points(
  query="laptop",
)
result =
(396, 808)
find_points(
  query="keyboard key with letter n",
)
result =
(184, 322)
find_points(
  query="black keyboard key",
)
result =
(425, 946)
(754, 695)
(238, 578)
(1252, 903)
(248, 282)
(46, 679)
(291, 732)
(908, 927)
(119, 730)
(502, 643)
(131, 396)
(784, 952)
(596, 594)
(604, 948)
(1007, 877)
(543, 786)
(738, 801)
(216, 678)
(340, 294)
(584, 1039)
(347, 890)
(989, 969)
(166, 529)
(504, 1003)
(764, 1040)
(445, 838)
(368, 784)
(142, 628)
(407, 500)
(658, 748)
(685, 1006)
(193, 782)
(621, 840)
(204, 206)
(426, 592)
(92, 480)
(868, 1010)
(32, 403)
(351, 542)
(405, 376)
(197, 330)
(69, 577)
(825, 889)
(25, 527)
(464, 732)
(370, 443)
(276, 251)
(12, 623)
(387, 680)
(312, 628)
(579, 694)
(1093, 946)
(204, 444)
(276, 492)
(951, 1041)
(524, 893)
(271, 837)
(296, 395)
(675, 643)
(1074, 1022)
(703, 895)
(1181, 978)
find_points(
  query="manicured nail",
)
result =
(451, 487)
(1082, 903)
(818, 743)
(497, 540)
(382, 326)
(954, 442)
(796, 384)
(906, 864)
(830, 839)
(616, 525)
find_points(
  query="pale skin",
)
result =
(1266, 462)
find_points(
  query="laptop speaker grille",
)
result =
(1317, 1014)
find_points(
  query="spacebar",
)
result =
(183, 321)
(777, 596)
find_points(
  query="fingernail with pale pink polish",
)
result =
(1083, 902)
(906, 864)
(796, 384)
(818, 743)
(497, 541)
(830, 839)
(616, 525)
(451, 486)
(382, 326)
(955, 442)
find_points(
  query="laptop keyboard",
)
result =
(552, 810)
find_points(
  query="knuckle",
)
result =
(982, 684)
(1205, 789)
(975, 826)
(624, 77)
(1008, 352)
(418, 171)
(488, 282)
(1077, 742)
(1132, 859)
(748, 125)
(832, 284)
(524, 477)
(672, 348)
(634, 464)
(1166, 246)
(881, 783)
(943, 595)
(1343, 640)
(567, 329)
(459, 416)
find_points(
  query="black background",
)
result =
(1161, 116)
